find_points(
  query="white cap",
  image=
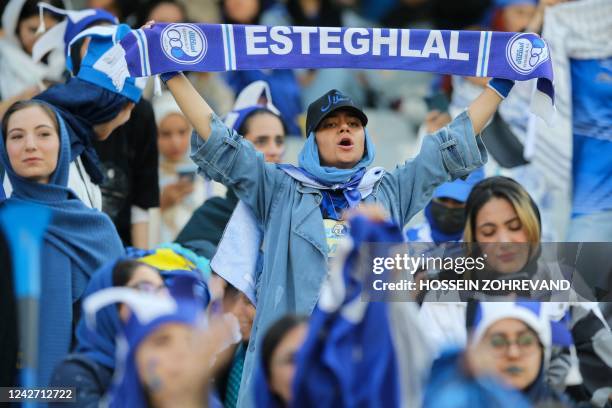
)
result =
(532, 313)
(248, 97)
(164, 105)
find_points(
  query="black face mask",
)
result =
(448, 220)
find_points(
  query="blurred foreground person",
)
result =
(355, 352)
(507, 355)
(278, 358)
(168, 346)
(91, 366)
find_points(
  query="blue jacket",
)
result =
(295, 247)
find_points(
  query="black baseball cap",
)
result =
(328, 103)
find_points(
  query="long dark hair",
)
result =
(20, 105)
(246, 123)
(124, 270)
(30, 8)
(275, 334)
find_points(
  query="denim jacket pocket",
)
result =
(462, 150)
(453, 159)
(216, 155)
(224, 158)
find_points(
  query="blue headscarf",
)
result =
(82, 105)
(90, 99)
(99, 345)
(62, 34)
(77, 242)
(309, 161)
(344, 180)
(236, 118)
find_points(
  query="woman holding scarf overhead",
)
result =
(35, 152)
(301, 207)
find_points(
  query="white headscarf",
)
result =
(17, 69)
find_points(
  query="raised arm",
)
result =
(222, 154)
(485, 105)
(453, 151)
(193, 106)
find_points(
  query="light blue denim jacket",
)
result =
(295, 247)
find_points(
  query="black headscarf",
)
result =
(82, 106)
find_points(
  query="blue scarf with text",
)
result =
(227, 47)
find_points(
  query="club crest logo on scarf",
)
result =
(184, 43)
(525, 53)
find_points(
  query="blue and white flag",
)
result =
(348, 358)
(227, 47)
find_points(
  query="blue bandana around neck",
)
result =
(77, 242)
(309, 161)
(83, 105)
(340, 187)
(227, 47)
